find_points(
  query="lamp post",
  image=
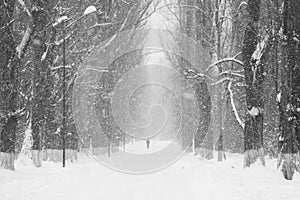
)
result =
(88, 10)
(64, 96)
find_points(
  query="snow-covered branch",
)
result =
(109, 41)
(8, 24)
(60, 67)
(241, 123)
(232, 74)
(191, 74)
(24, 42)
(97, 70)
(101, 25)
(60, 20)
(17, 112)
(222, 80)
(236, 55)
(21, 2)
(243, 3)
(89, 10)
(233, 59)
(44, 56)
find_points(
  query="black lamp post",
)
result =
(64, 96)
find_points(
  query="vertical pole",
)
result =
(64, 96)
(108, 132)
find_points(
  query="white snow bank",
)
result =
(190, 178)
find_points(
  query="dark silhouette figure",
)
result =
(148, 143)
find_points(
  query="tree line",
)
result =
(254, 74)
(34, 37)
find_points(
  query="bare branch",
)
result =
(146, 7)
(115, 35)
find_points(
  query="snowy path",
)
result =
(189, 179)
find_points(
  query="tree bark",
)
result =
(40, 18)
(253, 132)
(289, 105)
(204, 105)
(9, 63)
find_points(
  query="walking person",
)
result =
(148, 143)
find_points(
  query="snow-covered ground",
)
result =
(140, 147)
(190, 178)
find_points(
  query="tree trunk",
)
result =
(253, 132)
(51, 140)
(40, 18)
(289, 105)
(220, 87)
(9, 63)
(198, 27)
(220, 147)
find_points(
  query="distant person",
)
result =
(148, 143)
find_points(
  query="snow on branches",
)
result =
(60, 20)
(233, 59)
(22, 3)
